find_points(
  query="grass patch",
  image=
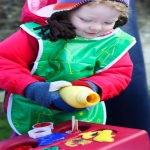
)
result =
(5, 130)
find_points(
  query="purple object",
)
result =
(14, 134)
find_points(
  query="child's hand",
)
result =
(46, 94)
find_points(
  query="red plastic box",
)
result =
(124, 139)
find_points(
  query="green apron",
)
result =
(67, 60)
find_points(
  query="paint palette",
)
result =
(91, 136)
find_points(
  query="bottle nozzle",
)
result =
(88, 99)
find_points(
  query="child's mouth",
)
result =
(91, 33)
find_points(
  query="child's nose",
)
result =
(96, 27)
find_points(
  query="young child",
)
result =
(80, 44)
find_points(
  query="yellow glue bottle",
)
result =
(79, 96)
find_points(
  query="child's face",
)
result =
(91, 21)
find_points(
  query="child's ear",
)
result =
(122, 20)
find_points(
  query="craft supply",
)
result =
(39, 132)
(74, 125)
(24, 148)
(79, 96)
(44, 124)
(49, 139)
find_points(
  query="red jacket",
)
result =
(18, 52)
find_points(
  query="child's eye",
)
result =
(85, 20)
(108, 22)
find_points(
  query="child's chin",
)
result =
(90, 37)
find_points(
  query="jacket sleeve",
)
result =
(115, 79)
(17, 53)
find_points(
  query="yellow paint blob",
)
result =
(87, 135)
(99, 136)
(104, 136)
